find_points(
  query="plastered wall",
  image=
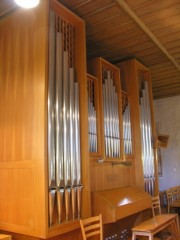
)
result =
(167, 118)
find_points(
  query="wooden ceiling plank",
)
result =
(141, 24)
(161, 77)
(109, 24)
(158, 66)
(74, 3)
(99, 10)
(111, 12)
(174, 87)
(80, 4)
(164, 74)
(115, 44)
(161, 24)
(164, 68)
(153, 7)
(91, 7)
(166, 82)
(160, 96)
(168, 31)
(116, 36)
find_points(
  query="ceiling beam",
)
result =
(141, 24)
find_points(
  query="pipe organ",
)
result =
(63, 123)
(73, 119)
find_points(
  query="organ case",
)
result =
(110, 108)
(24, 140)
(136, 80)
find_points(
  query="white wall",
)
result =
(167, 117)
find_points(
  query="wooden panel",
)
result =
(105, 176)
(76, 234)
(118, 203)
(17, 192)
(128, 73)
(23, 121)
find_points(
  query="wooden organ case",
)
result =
(31, 183)
(136, 80)
(40, 198)
(117, 182)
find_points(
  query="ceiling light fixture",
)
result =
(27, 3)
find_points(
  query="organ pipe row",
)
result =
(111, 115)
(146, 136)
(110, 105)
(92, 117)
(127, 136)
(63, 125)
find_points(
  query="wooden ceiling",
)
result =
(148, 30)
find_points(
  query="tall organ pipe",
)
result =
(66, 119)
(64, 159)
(51, 98)
(146, 133)
(127, 129)
(59, 112)
(111, 116)
(51, 120)
(59, 125)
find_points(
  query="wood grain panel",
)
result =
(105, 176)
(23, 121)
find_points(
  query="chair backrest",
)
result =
(178, 192)
(174, 193)
(156, 206)
(92, 226)
(169, 198)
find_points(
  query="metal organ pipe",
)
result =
(92, 121)
(146, 136)
(126, 124)
(51, 113)
(111, 115)
(64, 158)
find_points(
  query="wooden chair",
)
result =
(172, 203)
(174, 193)
(156, 210)
(156, 206)
(92, 226)
(178, 193)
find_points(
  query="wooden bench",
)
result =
(156, 224)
